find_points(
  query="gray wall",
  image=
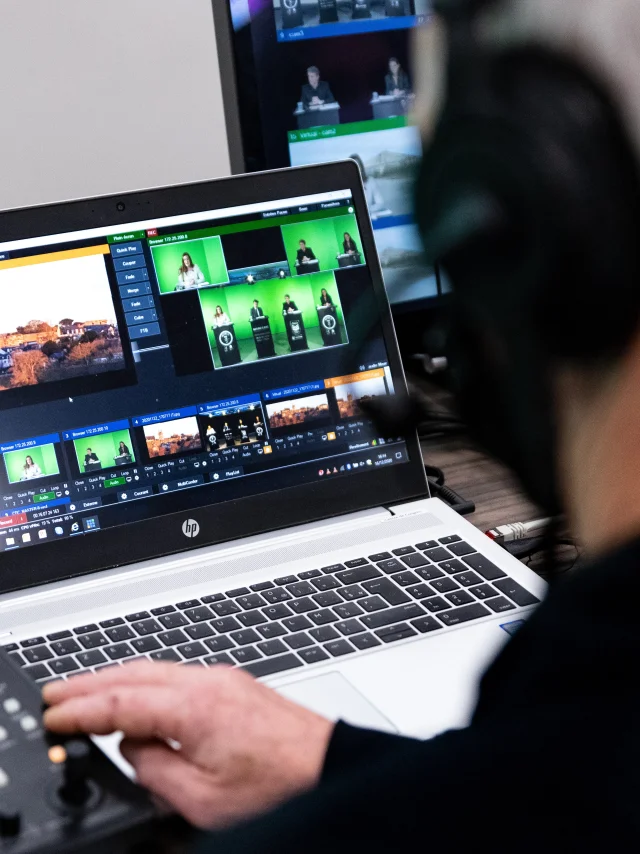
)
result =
(99, 96)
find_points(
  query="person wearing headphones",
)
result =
(549, 761)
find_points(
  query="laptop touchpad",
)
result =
(334, 697)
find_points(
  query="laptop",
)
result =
(186, 470)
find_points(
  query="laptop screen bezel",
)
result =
(219, 523)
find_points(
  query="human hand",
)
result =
(242, 748)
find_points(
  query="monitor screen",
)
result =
(186, 361)
(323, 80)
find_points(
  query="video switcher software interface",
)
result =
(184, 362)
(332, 80)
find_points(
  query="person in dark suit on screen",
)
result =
(305, 253)
(325, 299)
(90, 457)
(256, 311)
(349, 244)
(397, 80)
(288, 305)
(316, 92)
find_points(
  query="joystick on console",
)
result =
(76, 790)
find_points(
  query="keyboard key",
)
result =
(310, 573)
(145, 644)
(165, 609)
(251, 618)
(39, 641)
(300, 606)
(173, 621)
(313, 655)
(199, 631)
(223, 658)
(452, 566)
(133, 618)
(190, 603)
(274, 647)
(426, 624)
(173, 638)
(272, 630)
(338, 648)
(37, 653)
(118, 651)
(238, 591)
(406, 550)
(225, 608)
(387, 590)
(253, 600)
(516, 592)
(325, 582)
(192, 650)
(484, 591)
(226, 624)
(93, 641)
(111, 624)
(430, 544)
(326, 600)
(37, 671)
(258, 588)
(322, 618)
(59, 636)
(301, 588)
(165, 655)
(436, 604)
(91, 658)
(355, 576)
(246, 654)
(445, 541)
(391, 566)
(429, 572)
(120, 633)
(335, 567)
(404, 579)
(277, 595)
(64, 665)
(200, 614)
(420, 591)
(66, 647)
(380, 556)
(352, 564)
(351, 609)
(459, 597)
(245, 637)
(444, 585)
(500, 604)
(299, 641)
(460, 549)
(489, 571)
(350, 627)
(353, 592)
(277, 612)
(215, 597)
(17, 658)
(415, 560)
(366, 641)
(297, 624)
(392, 615)
(147, 627)
(10, 647)
(324, 634)
(219, 644)
(437, 554)
(463, 615)
(372, 604)
(84, 630)
(269, 666)
(396, 633)
(468, 579)
(285, 579)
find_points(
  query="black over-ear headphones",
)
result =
(529, 198)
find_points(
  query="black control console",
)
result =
(59, 795)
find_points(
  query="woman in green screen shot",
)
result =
(190, 275)
(349, 244)
(220, 318)
(325, 299)
(30, 469)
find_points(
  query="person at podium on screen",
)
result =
(349, 245)
(256, 311)
(123, 450)
(189, 274)
(30, 469)
(397, 80)
(372, 194)
(91, 457)
(288, 305)
(316, 92)
(220, 318)
(325, 299)
(305, 254)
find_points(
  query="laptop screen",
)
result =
(186, 361)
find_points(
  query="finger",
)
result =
(167, 774)
(140, 711)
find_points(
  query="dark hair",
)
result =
(184, 269)
(361, 166)
(324, 291)
(303, 241)
(313, 69)
(346, 234)
(26, 461)
(287, 296)
(396, 60)
(221, 311)
(256, 301)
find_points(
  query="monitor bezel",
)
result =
(161, 536)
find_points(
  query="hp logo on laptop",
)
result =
(190, 528)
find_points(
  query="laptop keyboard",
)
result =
(294, 620)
